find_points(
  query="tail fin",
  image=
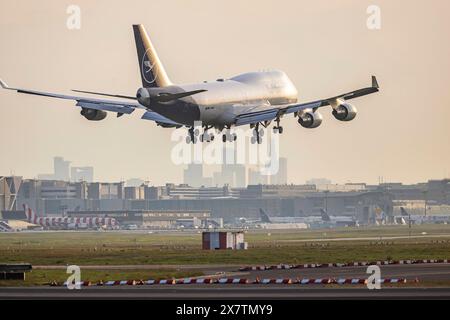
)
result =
(325, 216)
(404, 212)
(29, 213)
(152, 71)
(264, 217)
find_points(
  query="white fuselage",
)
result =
(225, 99)
(245, 93)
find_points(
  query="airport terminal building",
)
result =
(144, 203)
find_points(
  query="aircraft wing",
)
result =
(160, 120)
(118, 107)
(274, 113)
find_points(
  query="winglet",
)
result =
(3, 84)
(375, 82)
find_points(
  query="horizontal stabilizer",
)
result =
(106, 94)
(167, 97)
(162, 97)
(3, 84)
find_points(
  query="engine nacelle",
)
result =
(310, 119)
(345, 112)
(92, 114)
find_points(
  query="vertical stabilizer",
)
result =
(325, 216)
(264, 217)
(152, 71)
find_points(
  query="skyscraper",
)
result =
(280, 178)
(61, 168)
(193, 175)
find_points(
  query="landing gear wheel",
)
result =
(257, 135)
(229, 137)
(192, 136)
(278, 129)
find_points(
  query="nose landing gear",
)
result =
(194, 135)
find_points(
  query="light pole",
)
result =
(326, 200)
(425, 201)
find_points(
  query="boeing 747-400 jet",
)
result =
(256, 99)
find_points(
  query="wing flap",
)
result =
(255, 117)
(153, 116)
(106, 107)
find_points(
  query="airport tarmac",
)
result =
(222, 292)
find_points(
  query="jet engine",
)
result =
(92, 114)
(310, 119)
(345, 112)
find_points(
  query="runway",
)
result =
(427, 274)
(422, 272)
(217, 292)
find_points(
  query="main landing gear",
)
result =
(228, 136)
(257, 135)
(194, 135)
(278, 128)
(258, 132)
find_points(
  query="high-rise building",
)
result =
(280, 178)
(193, 175)
(61, 169)
(255, 177)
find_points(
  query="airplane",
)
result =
(420, 219)
(338, 221)
(69, 223)
(266, 222)
(256, 99)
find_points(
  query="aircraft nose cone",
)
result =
(143, 97)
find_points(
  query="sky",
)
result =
(401, 134)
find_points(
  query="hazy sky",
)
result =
(324, 46)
